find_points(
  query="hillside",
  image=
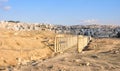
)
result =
(101, 55)
(31, 51)
(24, 45)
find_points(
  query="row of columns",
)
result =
(63, 43)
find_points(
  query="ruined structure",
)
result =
(63, 43)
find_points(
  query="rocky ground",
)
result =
(100, 55)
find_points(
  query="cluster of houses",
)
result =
(18, 26)
(89, 30)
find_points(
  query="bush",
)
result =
(14, 21)
(118, 34)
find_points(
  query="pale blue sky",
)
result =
(67, 12)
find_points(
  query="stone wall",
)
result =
(83, 42)
(64, 42)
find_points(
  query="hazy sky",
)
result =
(67, 12)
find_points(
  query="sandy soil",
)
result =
(101, 55)
(17, 46)
(33, 49)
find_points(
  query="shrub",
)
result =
(118, 34)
